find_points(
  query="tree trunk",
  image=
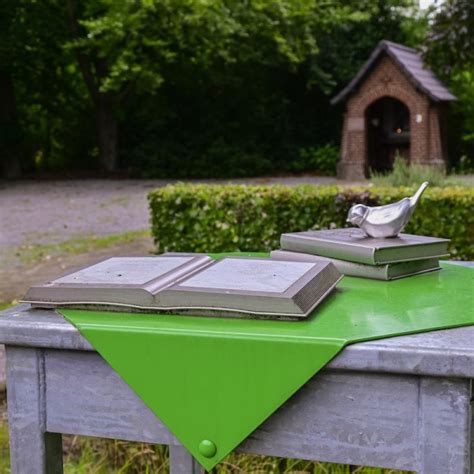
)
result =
(10, 150)
(107, 133)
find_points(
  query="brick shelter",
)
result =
(394, 105)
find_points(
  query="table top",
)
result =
(445, 353)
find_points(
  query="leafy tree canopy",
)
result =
(449, 48)
(175, 87)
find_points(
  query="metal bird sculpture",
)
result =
(385, 221)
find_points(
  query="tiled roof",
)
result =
(411, 62)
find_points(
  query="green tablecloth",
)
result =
(213, 381)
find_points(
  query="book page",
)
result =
(249, 275)
(124, 271)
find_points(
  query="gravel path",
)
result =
(50, 212)
(33, 212)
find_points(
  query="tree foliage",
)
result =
(47, 92)
(451, 39)
(188, 87)
(450, 51)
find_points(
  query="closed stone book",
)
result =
(195, 285)
(354, 245)
(387, 271)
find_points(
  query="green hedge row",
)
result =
(224, 218)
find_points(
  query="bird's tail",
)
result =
(416, 197)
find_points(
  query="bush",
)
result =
(322, 160)
(225, 218)
(465, 165)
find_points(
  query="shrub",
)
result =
(465, 165)
(224, 218)
(405, 174)
(322, 160)
(217, 159)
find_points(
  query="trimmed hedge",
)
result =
(226, 218)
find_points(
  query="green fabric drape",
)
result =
(216, 380)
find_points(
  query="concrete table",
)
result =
(403, 402)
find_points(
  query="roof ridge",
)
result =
(400, 46)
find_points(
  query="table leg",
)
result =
(444, 427)
(32, 449)
(181, 462)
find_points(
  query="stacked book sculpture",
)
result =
(355, 254)
(376, 249)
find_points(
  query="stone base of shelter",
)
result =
(351, 170)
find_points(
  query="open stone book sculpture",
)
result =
(193, 284)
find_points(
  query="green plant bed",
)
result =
(226, 218)
(405, 174)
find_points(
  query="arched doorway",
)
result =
(388, 133)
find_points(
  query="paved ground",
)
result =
(47, 212)
(53, 211)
